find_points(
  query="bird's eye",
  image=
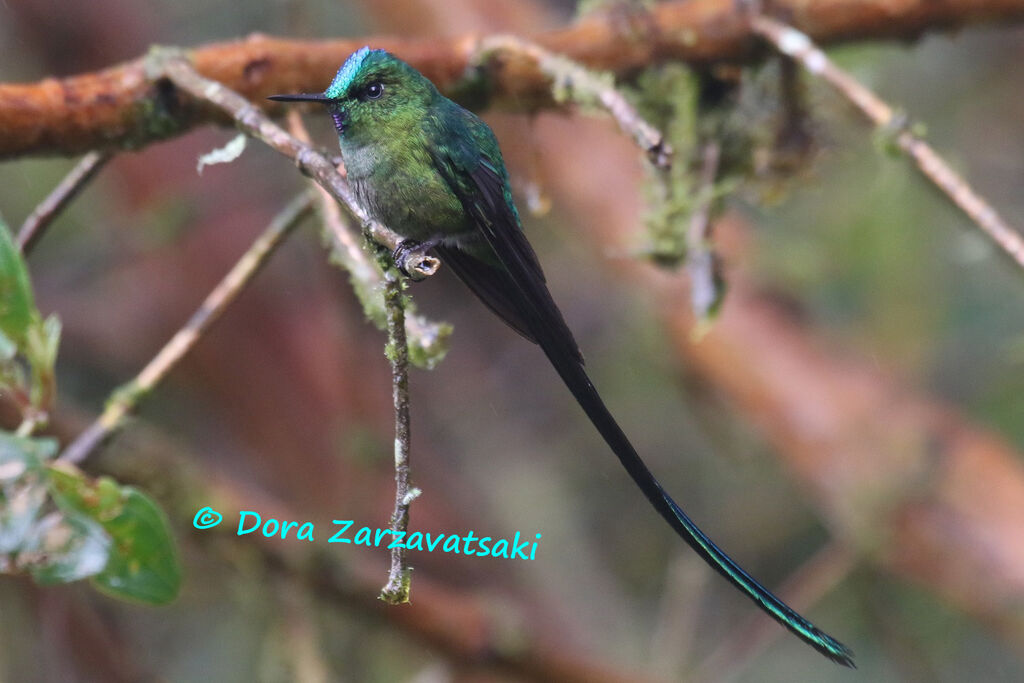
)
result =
(374, 91)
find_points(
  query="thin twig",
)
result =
(797, 45)
(124, 400)
(397, 589)
(84, 171)
(250, 119)
(701, 262)
(579, 83)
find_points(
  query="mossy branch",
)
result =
(571, 81)
(119, 107)
(397, 589)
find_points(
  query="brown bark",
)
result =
(120, 107)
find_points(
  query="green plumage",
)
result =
(432, 172)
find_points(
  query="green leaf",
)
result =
(22, 329)
(17, 308)
(143, 564)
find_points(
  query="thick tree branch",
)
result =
(120, 107)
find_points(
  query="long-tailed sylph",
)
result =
(432, 172)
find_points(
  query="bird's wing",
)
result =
(510, 281)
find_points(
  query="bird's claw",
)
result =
(411, 259)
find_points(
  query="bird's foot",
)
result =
(411, 258)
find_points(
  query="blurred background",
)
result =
(849, 430)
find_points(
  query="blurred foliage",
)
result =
(142, 563)
(666, 96)
(55, 522)
(28, 344)
(62, 526)
(762, 140)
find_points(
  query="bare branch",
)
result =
(73, 183)
(120, 107)
(126, 398)
(798, 45)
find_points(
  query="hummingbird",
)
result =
(432, 172)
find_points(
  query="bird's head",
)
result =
(374, 93)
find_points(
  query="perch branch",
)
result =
(73, 183)
(366, 275)
(126, 398)
(397, 589)
(797, 45)
(120, 107)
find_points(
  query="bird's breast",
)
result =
(401, 188)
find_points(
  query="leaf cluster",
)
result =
(56, 523)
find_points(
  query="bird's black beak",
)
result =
(336, 113)
(302, 97)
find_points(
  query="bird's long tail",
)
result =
(576, 379)
(516, 290)
(519, 295)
